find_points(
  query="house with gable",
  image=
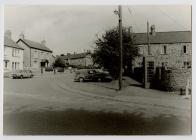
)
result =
(36, 55)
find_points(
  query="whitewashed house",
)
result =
(13, 54)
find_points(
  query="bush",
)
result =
(59, 62)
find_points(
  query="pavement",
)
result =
(55, 105)
(133, 93)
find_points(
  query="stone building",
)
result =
(36, 55)
(78, 59)
(167, 64)
(170, 49)
(13, 54)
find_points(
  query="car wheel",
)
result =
(81, 79)
(99, 79)
(21, 76)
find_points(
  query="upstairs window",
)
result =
(35, 54)
(164, 49)
(140, 50)
(15, 52)
(184, 49)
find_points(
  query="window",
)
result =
(17, 65)
(164, 49)
(5, 51)
(35, 54)
(41, 54)
(91, 72)
(184, 49)
(140, 50)
(5, 64)
(12, 65)
(15, 52)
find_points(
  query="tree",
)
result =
(106, 52)
(59, 62)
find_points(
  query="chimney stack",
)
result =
(8, 34)
(43, 42)
(21, 36)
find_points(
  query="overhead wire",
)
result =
(134, 22)
(174, 20)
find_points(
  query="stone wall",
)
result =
(173, 79)
(174, 56)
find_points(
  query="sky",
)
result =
(69, 29)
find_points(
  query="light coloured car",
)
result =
(22, 74)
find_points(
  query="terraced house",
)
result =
(36, 55)
(78, 59)
(170, 49)
(13, 54)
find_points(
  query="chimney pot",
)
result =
(43, 42)
(8, 34)
(21, 36)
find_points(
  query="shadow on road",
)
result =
(83, 122)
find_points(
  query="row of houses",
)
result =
(78, 59)
(169, 49)
(25, 53)
(165, 60)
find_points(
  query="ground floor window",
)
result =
(12, 65)
(6, 64)
(15, 65)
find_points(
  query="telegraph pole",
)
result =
(148, 39)
(120, 40)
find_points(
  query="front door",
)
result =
(149, 70)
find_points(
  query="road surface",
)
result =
(55, 105)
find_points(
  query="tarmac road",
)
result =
(55, 105)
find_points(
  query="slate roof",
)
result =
(75, 56)
(35, 45)
(10, 43)
(164, 37)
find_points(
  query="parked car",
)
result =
(59, 69)
(92, 75)
(22, 74)
(49, 69)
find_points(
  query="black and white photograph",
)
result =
(97, 70)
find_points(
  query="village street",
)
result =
(54, 104)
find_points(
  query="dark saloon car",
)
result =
(22, 74)
(92, 75)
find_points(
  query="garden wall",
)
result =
(173, 79)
